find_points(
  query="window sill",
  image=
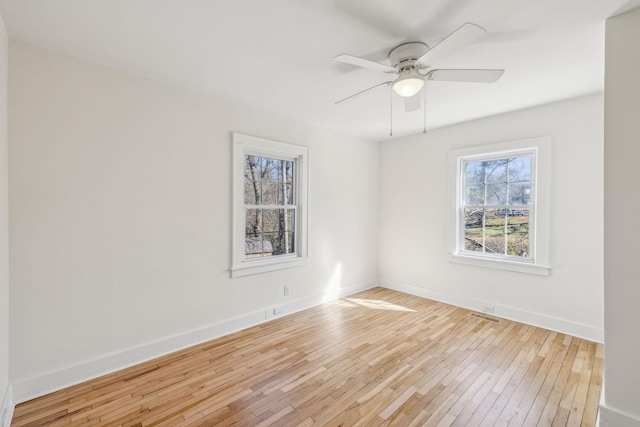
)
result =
(248, 268)
(537, 269)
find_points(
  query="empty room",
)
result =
(332, 213)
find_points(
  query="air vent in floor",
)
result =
(482, 316)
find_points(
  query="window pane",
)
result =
(519, 193)
(474, 173)
(288, 195)
(271, 220)
(252, 186)
(496, 171)
(271, 193)
(473, 229)
(272, 170)
(278, 228)
(288, 171)
(518, 232)
(272, 242)
(475, 194)
(520, 169)
(252, 167)
(494, 231)
(249, 161)
(496, 194)
(262, 165)
(252, 192)
(253, 247)
(276, 173)
(253, 222)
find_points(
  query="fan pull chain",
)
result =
(424, 128)
(390, 110)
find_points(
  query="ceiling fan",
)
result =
(413, 62)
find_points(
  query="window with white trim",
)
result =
(498, 215)
(269, 217)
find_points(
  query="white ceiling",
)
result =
(277, 54)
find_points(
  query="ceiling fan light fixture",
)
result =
(408, 84)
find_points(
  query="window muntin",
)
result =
(496, 210)
(269, 206)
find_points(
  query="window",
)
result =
(499, 207)
(269, 210)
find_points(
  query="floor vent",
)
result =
(482, 316)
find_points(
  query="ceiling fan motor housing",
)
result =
(406, 55)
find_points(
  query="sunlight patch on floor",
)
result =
(375, 304)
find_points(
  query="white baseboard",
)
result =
(6, 410)
(547, 322)
(609, 417)
(31, 388)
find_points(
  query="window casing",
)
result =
(270, 205)
(499, 206)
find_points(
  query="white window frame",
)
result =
(246, 144)
(538, 261)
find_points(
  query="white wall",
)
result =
(413, 219)
(4, 221)
(120, 214)
(622, 183)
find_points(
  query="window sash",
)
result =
(464, 185)
(505, 256)
(285, 209)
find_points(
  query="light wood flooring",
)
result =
(377, 358)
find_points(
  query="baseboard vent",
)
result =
(482, 316)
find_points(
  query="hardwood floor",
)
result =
(377, 358)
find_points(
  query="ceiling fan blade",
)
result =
(475, 76)
(468, 33)
(365, 63)
(412, 103)
(363, 91)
